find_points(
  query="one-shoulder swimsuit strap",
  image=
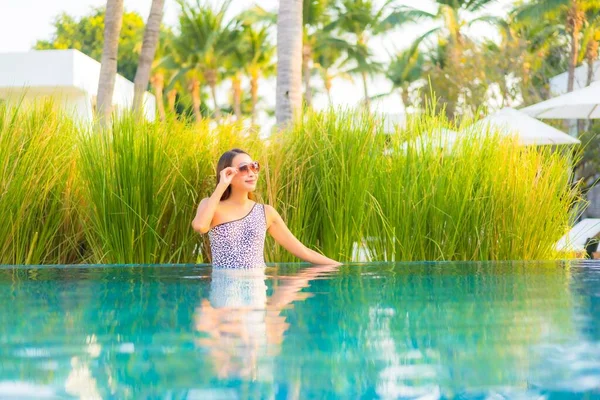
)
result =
(240, 243)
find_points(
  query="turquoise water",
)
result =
(415, 330)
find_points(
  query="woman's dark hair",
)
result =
(226, 160)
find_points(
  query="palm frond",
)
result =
(477, 5)
(257, 14)
(178, 76)
(417, 42)
(381, 95)
(405, 14)
(499, 22)
(539, 9)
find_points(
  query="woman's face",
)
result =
(244, 180)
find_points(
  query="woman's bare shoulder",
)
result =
(269, 208)
(271, 213)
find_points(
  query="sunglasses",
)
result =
(253, 166)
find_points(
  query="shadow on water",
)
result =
(447, 330)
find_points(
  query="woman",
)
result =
(237, 225)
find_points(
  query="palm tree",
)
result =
(236, 91)
(203, 44)
(590, 42)
(358, 21)
(149, 45)
(449, 20)
(364, 65)
(531, 50)
(158, 73)
(289, 61)
(508, 61)
(194, 88)
(171, 99)
(405, 68)
(327, 62)
(315, 39)
(254, 57)
(182, 78)
(259, 55)
(573, 12)
(108, 70)
(234, 67)
(320, 48)
(183, 74)
(157, 81)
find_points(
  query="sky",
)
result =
(23, 22)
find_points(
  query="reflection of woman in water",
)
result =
(245, 328)
(237, 225)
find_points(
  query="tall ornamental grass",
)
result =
(142, 182)
(37, 187)
(74, 194)
(322, 172)
(343, 185)
(486, 199)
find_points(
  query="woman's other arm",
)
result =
(282, 235)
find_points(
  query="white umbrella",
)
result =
(580, 104)
(507, 122)
(444, 138)
(529, 131)
(575, 239)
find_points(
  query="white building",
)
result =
(69, 77)
(558, 83)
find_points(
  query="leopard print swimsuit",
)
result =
(240, 243)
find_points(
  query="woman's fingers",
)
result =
(228, 173)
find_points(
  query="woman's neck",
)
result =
(238, 197)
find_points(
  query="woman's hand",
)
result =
(208, 206)
(227, 175)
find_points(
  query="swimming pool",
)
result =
(442, 330)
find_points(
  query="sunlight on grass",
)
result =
(128, 194)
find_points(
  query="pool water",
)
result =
(406, 330)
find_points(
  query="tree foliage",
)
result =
(86, 34)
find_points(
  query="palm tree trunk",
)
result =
(503, 84)
(288, 99)
(213, 90)
(254, 94)
(236, 87)
(210, 75)
(171, 97)
(195, 89)
(327, 83)
(365, 88)
(113, 20)
(404, 96)
(158, 81)
(575, 19)
(149, 45)
(591, 54)
(306, 59)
